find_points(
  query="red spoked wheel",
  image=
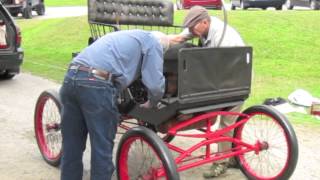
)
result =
(278, 146)
(47, 126)
(142, 155)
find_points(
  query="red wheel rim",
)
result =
(149, 169)
(47, 128)
(272, 161)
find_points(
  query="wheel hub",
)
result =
(54, 127)
(264, 146)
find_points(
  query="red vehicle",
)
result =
(186, 4)
(202, 84)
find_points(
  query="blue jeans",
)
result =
(89, 106)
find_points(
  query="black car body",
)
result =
(11, 54)
(264, 4)
(313, 4)
(25, 7)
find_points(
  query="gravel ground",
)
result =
(21, 159)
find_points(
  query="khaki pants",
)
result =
(225, 121)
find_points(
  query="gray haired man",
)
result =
(210, 30)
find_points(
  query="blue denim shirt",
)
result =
(127, 54)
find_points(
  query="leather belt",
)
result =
(105, 75)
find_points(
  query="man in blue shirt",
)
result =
(89, 93)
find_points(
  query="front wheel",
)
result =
(289, 5)
(14, 14)
(179, 4)
(278, 147)
(142, 154)
(47, 126)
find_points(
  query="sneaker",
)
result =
(216, 169)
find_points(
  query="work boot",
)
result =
(216, 169)
(232, 163)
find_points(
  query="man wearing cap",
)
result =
(89, 94)
(210, 30)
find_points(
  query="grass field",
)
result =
(66, 2)
(286, 48)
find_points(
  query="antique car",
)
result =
(202, 84)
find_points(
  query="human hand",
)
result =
(146, 105)
(176, 38)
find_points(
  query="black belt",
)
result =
(101, 74)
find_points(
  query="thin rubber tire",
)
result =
(47, 126)
(264, 119)
(152, 147)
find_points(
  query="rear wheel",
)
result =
(314, 5)
(242, 5)
(40, 9)
(233, 7)
(7, 74)
(47, 126)
(27, 12)
(271, 131)
(142, 154)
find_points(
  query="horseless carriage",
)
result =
(203, 84)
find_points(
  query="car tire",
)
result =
(279, 8)
(282, 149)
(314, 5)
(242, 5)
(233, 7)
(7, 75)
(40, 9)
(289, 5)
(27, 12)
(14, 14)
(179, 5)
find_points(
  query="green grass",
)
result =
(286, 51)
(48, 44)
(66, 2)
(305, 119)
(286, 47)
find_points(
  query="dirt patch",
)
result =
(21, 159)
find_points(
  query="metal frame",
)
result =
(185, 160)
